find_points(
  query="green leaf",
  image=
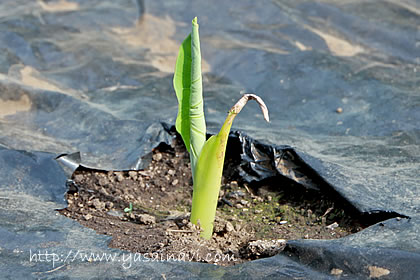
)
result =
(209, 169)
(207, 179)
(190, 122)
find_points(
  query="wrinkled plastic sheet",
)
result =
(90, 83)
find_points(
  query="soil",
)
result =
(253, 221)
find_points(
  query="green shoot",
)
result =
(207, 157)
(129, 209)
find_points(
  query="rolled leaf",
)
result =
(190, 122)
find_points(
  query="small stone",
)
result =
(109, 204)
(243, 202)
(258, 211)
(132, 174)
(171, 172)
(175, 182)
(332, 226)
(269, 198)
(339, 110)
(221, 193)
(163, 189)
(336, 271)
(283, 222)
(266, 247)
(98, 204)
(102, 181)
(104, 192)
(120, 177)
(259, 199)
(87, 217)
(147, 219)
(239, 206)
(233, 184)
(78, 177)
(236, 194)
(145, 173)
(157, 156)
(229, 227)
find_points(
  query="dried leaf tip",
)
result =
(244, 99)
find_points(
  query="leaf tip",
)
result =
(244, 99)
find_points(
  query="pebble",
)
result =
(229, 227)
(120, 177)
(234, 184)
(175, 182)
(104, 191)
(339, 110)
(236, 194)
(132, 174)
(221, 193)
(171, 172)
(102, 181)
(269, 198)
(147, 219)
(283, 222)
(237, 205)
(78, 177)
(309, 213)
(243, 202)
(109, 204)
(98, 204)
(266, 247)
(258, 211)
(332, 226)
(157, 156)
(87, 217)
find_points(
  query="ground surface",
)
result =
(252, 221)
